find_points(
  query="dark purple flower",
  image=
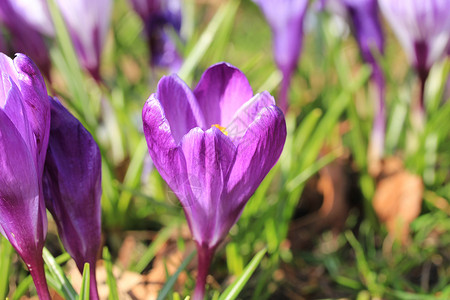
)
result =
(213, 146)
(88, 24)
(72, 188)
(285, 18)
(158, 16)
(423, 29)
(24, 37)
(24, 130)
(365, 20)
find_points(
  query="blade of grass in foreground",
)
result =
(156, 244)
(236, 287)
(113, 294)
(66, 289)
(226, 11)
(171, 281)
(85, 282)
(6, 251)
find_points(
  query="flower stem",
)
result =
(93, 292)
(379, 122)
(37, 273)
(284, 91)
(205, 255)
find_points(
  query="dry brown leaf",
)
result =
(398, 199)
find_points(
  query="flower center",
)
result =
(221, 128)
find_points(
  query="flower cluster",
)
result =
(47, 160)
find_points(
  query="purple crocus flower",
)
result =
(285, 18)
(158, 16)
(88, 23)
(423, 29)
(72, 188)
(35, 13)
(365, 20)
(24, 37)
(213, 146)
(24, 131)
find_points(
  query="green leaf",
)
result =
(171, 281)
(6, 251)
(147, 257)
(110, 279)
(236, 287)
(226, 11)
(65, 288)
(84, 292)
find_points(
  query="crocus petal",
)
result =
(24, 37)
(163, 50)
(72, 184)
(159, 16)
(162, 147)
(367, 26)
(34, 93)
(14, 109)
(7, 66)
(20, 215)
(179, 105)
(285, 18)
(423, 28)
(209, 156)
(72, 187)
(89, 35)
(221, 91)
(257, 152)
(246, 114)
(36, 14)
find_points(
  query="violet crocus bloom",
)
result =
(213, 146)
(24, 37)
(35, 13)
(24, 131)
(88, 24)
(72, 188)
(365, 20)
(285, 18)
(158, 16)
(423, 29)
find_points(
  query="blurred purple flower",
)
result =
(158, 17)
(212, 169)
(88, 24)
(35, 13)
(72, 188)
(24, 37)
(365, 19)
(423, 28)
(24, 132)
(285, 18)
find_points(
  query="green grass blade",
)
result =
(73, 73)
(110, 279)
(56, 271)
(227, 10)
(147, 257)
(84, 292)
(22, 288)
(236, 287)
(171, 281)
(6, 251)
